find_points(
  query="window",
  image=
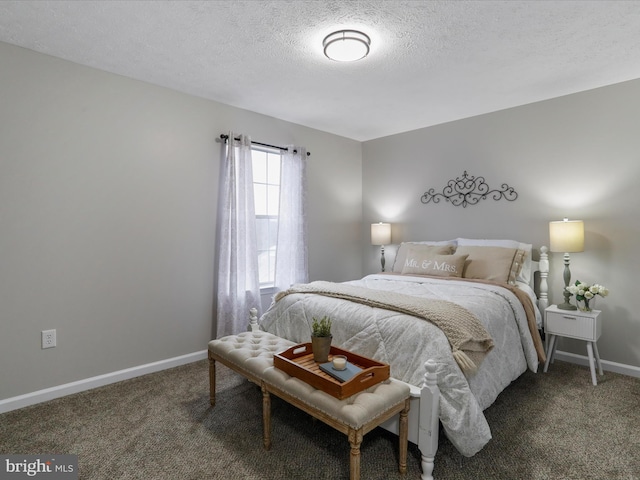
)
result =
(266, 191)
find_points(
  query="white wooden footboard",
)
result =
(424, 420)
(253, 320)
(429, 425)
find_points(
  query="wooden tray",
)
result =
(298, 362)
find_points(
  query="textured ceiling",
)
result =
(430, 62)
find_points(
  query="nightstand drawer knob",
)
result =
(569, 318)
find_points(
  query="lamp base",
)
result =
(567, 306)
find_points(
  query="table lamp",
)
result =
(566, 236)
(381, 235)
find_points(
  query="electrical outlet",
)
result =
(48, 338)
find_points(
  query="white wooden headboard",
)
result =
(542, 266)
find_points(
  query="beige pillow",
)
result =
(497, 264)
(421, 263)
(401, 256)
(525, 271)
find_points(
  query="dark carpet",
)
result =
(160, 426)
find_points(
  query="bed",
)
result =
(409, 318)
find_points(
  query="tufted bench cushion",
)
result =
(354, 411)
(251, 355)
(250, 351)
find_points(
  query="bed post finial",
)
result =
(543, 300)
(253, 320)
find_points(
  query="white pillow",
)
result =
(525, 273)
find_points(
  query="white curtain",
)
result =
(238, 285)
(291, 252)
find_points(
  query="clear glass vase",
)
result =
(586, 305)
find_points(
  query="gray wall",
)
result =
(576, 156)
(108, 193)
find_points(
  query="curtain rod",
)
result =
(226, 137)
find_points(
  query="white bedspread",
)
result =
(406, 343)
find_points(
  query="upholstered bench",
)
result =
(251, 355)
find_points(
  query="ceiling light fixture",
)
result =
(346, 45)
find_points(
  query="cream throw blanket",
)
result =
(469, 340)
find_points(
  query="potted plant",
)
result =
(321, 339)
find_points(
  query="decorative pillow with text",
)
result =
(435, 248)
(421, 263)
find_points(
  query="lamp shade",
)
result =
(380, 233)
(566, 236)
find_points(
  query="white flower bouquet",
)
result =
(585, 292)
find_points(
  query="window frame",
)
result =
(268, 286)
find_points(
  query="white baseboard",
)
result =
(629, 370)
(39, 396)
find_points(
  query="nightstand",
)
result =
(574, 324)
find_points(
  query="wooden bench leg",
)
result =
(355, 439)
(266, 417)
(212, 381)
(404, 436)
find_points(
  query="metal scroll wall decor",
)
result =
(468, 190)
